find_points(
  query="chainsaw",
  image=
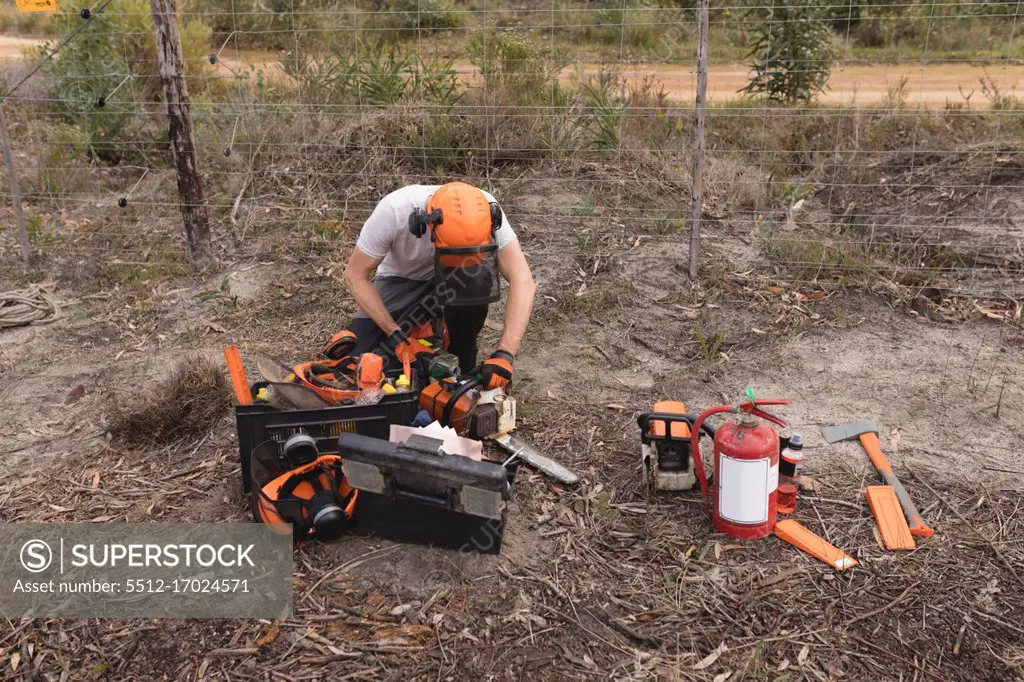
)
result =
(462, 403)
(665, 446)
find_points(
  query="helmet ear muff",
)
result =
(497, 217)
(419, 220)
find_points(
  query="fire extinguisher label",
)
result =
(744, 487)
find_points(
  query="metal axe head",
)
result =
(850, 431)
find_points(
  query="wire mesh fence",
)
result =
(846, 143)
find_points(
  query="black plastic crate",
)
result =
(259, 423)
(405, 520)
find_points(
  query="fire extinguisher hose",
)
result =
(698, 461)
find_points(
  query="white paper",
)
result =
(452, 442)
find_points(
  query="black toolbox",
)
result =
(257, 424)
(415, 492)
(403, 520)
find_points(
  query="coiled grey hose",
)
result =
(27, 306)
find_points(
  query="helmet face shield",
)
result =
(469, 285)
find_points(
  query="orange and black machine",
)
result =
(665, 446)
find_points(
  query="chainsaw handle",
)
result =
(645, 419)
(466, 387)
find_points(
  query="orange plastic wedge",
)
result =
(801, 538)
(237, 371)
(892, 524)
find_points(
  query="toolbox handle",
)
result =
(644, 422)
(423, 498)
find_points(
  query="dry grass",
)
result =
(188, 403)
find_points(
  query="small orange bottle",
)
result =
(789, 479)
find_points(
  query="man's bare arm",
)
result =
(516, 271)
(357, 280)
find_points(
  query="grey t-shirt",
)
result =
(386, 234)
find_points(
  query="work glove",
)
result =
(400, 345)
(496, 372)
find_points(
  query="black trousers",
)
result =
(464, 325)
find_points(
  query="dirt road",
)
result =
(863, 85)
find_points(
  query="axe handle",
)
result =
(881, 462)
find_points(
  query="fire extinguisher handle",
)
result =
(750, 407)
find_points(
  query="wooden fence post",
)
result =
(172, 76)
(698, 144)
(12, 176)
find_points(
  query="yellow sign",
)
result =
(37, 6)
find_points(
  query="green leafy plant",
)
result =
(791, 51)
(710, 347)
(322, 77)
(435, 81)
(382, 75)
(40, 231)
(586, 208)
(373, 74)
(606, 107)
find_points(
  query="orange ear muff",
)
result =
(340, 345)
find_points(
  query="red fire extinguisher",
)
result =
(746, 469)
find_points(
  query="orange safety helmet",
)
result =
(462, 224)
(332, 380)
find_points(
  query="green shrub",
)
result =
(515, 69)
(605, 109)
(100, 78)
(372, 74)
(792, 51)
(272, 24)
(62, 163)
(630, 24)
(442, 140)
(415, 16)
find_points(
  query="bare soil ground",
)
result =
(600, 581)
